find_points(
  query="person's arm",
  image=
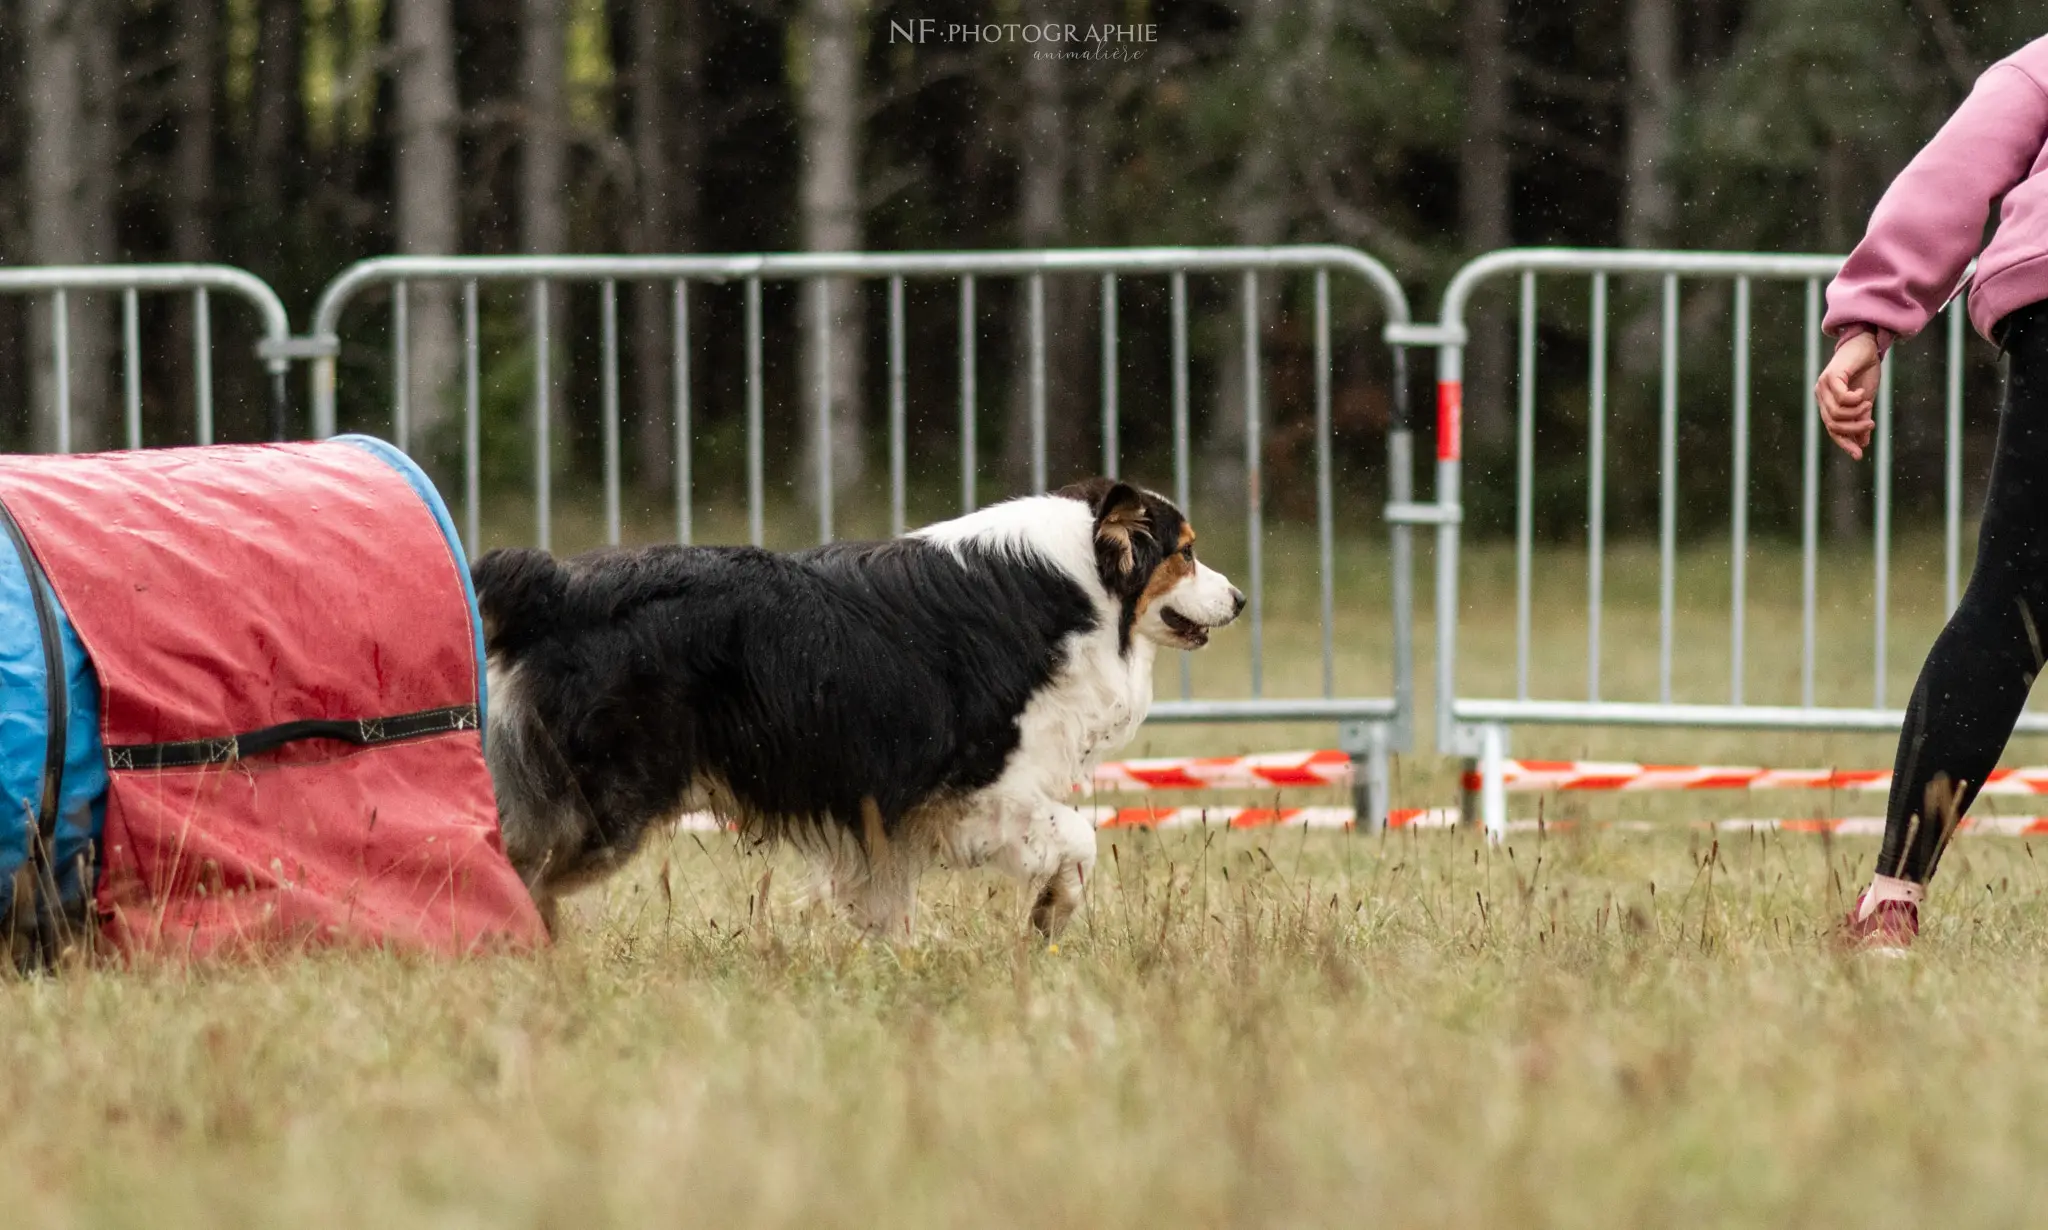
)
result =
(1930, 222)
(1922, 236)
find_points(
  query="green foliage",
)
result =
(1258, 120)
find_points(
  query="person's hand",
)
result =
(1847, 393)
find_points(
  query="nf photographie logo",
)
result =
(1064, 39)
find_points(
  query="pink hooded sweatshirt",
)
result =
(1931, 220)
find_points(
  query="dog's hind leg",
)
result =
(886, 904)
(871, 881)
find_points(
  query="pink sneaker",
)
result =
(1889, 930)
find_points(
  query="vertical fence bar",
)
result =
(401, 366)
(1667, 494)
(60, 341)
(756, 463)
(1181, 482)
(1038, 466)
(969, 450)
(679, 355)
(1881, 534)
(821, 296)
(1450, 386)
(612, 516)
(899, 445)
(1401, 555)
(1596, 485)
(1181, 439)
(1809, 497)
(1738, 549)
(131, 367)
(280, 401)
(1111, 446)
(1326, 515)
(320, 386)
(1952, 459)
(1254, 454)
(472, 422)
(543, 421)
(202, 363)
(1525, 480)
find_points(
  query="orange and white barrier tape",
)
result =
(1262, 771)
(1203, 817)
(1333, 768)
(1448, 817)
(1330, 768)
(1844, 826)
(1559, 775)
(1260, 817)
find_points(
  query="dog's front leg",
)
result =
(1052, 851)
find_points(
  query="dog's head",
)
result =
(1145, 556)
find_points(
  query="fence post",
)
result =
(1450, 414)
(1493, 796)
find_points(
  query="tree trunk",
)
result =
(667, 136)
(192, 165)
(543, 173)
(429, 201)
(277, 132)
(826, 58)
(70, 73)
(1257, 209)
(650, 230)
(1486, 208)
(192, 161)
(1045, 181)
(1649, 208)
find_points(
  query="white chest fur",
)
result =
(1091, 708)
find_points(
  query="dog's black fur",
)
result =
(814, 685)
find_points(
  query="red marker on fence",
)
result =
(1450, 419)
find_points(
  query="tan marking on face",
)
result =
(1172, 571)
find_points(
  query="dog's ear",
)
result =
(1119, 521)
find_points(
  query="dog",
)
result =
(883, 706)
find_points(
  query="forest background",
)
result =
(292, 137)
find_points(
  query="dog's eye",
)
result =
(1188, 553)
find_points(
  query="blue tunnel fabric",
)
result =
(24, 731)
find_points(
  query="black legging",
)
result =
(1976, 679)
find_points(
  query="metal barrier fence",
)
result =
(131, 282)
(1477, 727)
(1370, 727)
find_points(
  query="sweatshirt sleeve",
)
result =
(1931, 221)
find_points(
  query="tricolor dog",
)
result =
(882, 706)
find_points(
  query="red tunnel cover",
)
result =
(223, 590)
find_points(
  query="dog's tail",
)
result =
(523, 595)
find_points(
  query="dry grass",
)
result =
(1270, 1029)
(1277, 1030)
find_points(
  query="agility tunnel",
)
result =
(242, 701)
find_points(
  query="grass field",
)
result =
(1591, 1028)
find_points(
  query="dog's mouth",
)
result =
(1187, 631)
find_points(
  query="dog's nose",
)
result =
(1236, 602)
